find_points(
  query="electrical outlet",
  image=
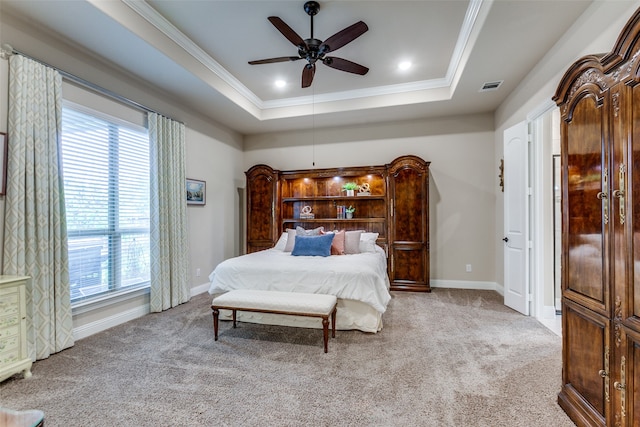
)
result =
(469, 268)
(197, 272)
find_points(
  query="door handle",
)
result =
(602, 195)
(619, 194)
(506, 239)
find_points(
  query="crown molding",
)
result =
(152, 16)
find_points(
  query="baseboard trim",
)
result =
(109, 322)
(467, 284)
(548, 312)
(117, 319)
(200, 289)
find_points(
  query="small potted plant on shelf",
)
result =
(349, 211)
(350, 188)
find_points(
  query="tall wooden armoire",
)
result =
(262, 208)
(409, 224)
(599, 100)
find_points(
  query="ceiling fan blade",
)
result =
(345, 65)
(286, 31)
(273, 60)
(343, 37)
(307, 74)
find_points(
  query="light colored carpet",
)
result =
(449, 358)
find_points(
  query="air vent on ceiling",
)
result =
(490, 86)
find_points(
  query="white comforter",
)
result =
(362, 277)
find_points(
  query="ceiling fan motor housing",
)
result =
(313, 50)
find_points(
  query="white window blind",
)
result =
(105, 164)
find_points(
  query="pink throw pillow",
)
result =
(337, 246)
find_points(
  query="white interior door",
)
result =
(516, 218)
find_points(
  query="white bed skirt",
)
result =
(351, 314)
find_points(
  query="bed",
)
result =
(358, 280)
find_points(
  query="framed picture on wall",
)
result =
(196, 192)
(4, 149)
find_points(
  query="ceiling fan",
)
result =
(313, 50)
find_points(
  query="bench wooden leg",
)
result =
(233, 314)
(325, 332)
(215, 323)
(333, 322)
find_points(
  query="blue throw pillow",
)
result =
(313, 245)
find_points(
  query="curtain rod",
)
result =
(8, 50)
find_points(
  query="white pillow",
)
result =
(368, 242)
(352, 242)
(299, 231)
(291, 240)
(314, 232)
(282, 242)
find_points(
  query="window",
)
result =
(105, 164)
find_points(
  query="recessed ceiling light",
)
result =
(404, 65)
(280, 83)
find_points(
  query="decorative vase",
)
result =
(351, 193)
(349, 214)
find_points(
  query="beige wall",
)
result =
(462, 178)
(213, 228)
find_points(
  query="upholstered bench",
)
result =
(287, 303)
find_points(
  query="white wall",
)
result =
(462, 178)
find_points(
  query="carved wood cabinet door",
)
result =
(628, 308)
(409, 224)
(586, 225)
(262, 206)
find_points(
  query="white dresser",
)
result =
(14, 358)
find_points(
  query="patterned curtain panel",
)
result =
(35, 235)
(169, 244)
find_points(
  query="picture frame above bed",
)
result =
(196, 192)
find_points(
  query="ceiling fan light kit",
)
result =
(313, 50)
